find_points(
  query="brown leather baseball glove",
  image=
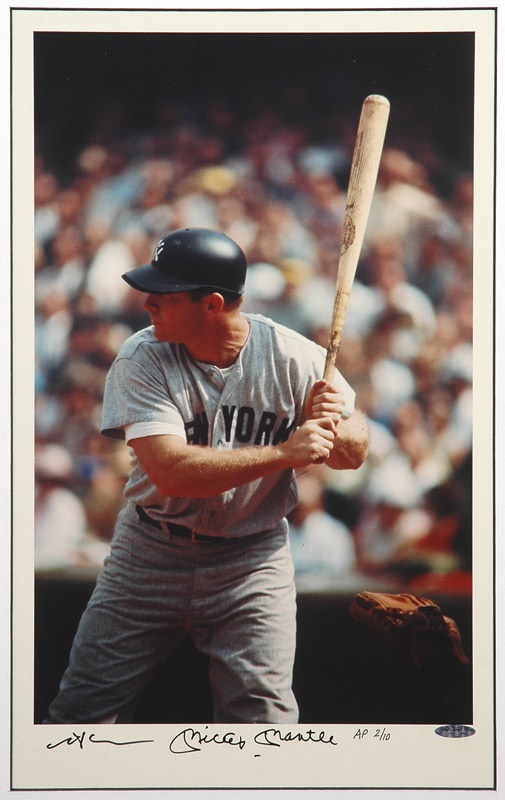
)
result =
(411, 622)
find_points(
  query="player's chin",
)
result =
(159, 334)
(163, 335)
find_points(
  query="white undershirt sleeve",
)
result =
(138, 429)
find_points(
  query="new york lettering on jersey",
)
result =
(244, 425)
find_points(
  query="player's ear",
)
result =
(213, 303)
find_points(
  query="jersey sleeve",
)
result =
(136, 393)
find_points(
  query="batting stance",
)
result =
(219, 409)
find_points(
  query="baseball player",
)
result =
(219, 409)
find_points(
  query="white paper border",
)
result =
(29, 756)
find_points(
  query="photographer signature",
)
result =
(81, 738)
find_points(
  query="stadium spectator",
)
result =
(277, 189)
(321, 546)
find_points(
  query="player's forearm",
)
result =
(205, 472)
(181, 470)
(351, 443)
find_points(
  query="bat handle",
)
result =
(329, 367)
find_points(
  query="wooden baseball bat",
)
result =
(362, 179)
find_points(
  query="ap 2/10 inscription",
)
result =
(380, 733)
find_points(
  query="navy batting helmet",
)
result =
(192, 258)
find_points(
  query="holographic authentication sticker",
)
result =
(455, 731)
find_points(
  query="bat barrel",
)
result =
(362, 179)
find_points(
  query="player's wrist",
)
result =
(284, 455)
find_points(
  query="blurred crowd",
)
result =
(279, 192)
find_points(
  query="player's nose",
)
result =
(150, 303)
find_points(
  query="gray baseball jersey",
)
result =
(258, 401)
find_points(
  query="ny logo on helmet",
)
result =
(158, 249)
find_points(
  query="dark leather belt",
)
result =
(178, 530)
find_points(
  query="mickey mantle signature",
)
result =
(193, 740)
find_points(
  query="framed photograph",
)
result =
(130, 123)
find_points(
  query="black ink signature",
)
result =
(190, 740)
(273, 737)
(80, 738)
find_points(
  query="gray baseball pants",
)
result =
(235, 598)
